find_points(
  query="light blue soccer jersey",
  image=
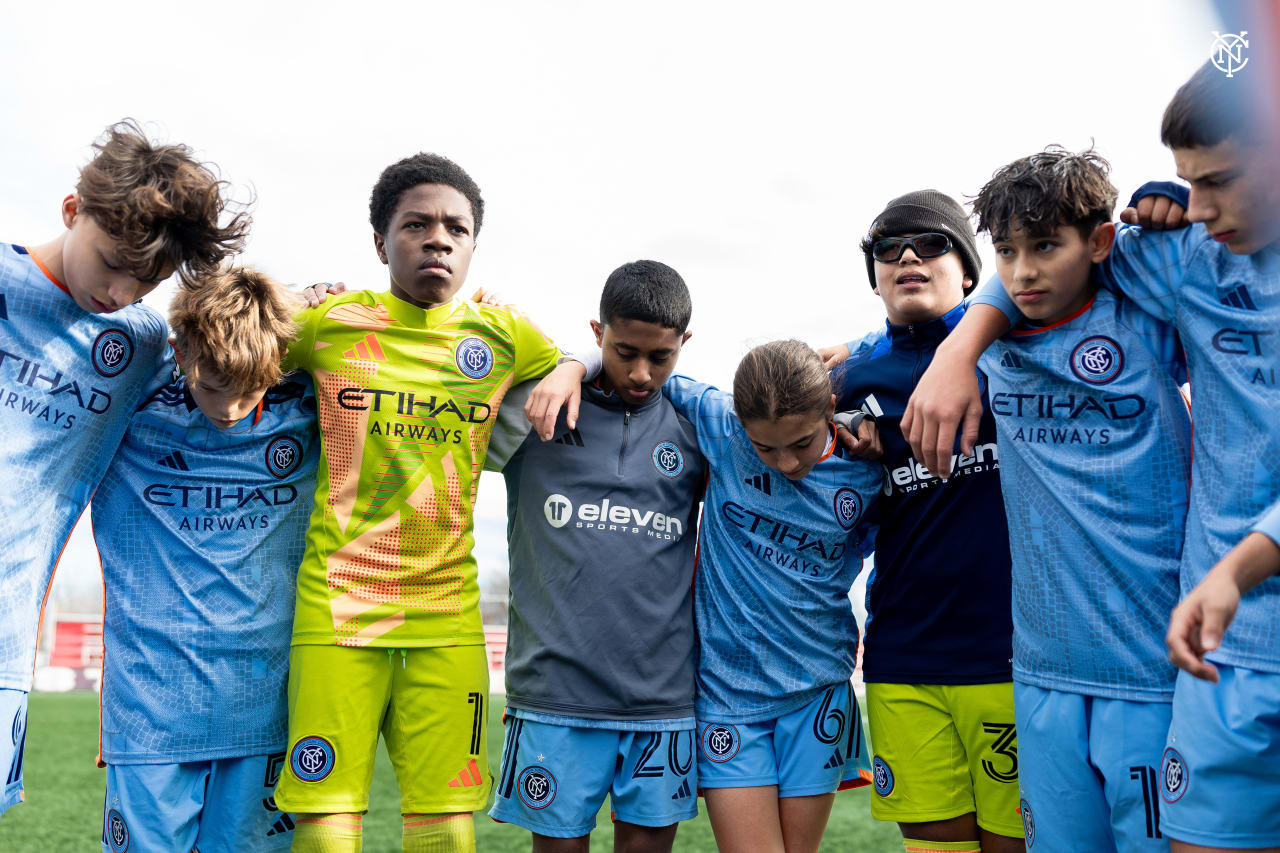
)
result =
(1269, 524)
(201, 532)
(1094, 464)
(1226, 309)
(69, 380)
(776, 561)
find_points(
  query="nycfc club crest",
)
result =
(720, 743)
(117, 832)
(668, 459)
(283, 455)
(1097, 360)
(312, 758)
(474, 358)
(1028, 823)
(848, 507)
(112, 352)
(537, 787)
(17, 727)
(1174, 777)
(882, 776)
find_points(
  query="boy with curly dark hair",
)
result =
(387, 634)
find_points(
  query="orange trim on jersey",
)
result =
(257, 412)
(1037, 330)
(53, 278)
(831, 447)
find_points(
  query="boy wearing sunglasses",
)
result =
(939, 628)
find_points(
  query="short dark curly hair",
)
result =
(648, 291)
(1049, 189)
(420, 169)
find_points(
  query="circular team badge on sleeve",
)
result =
(112, 352)
(537, 787)
(474, 358)
(882, 776)
(283, 455)
(848, 507)
(1097, 360)
(668, 459)
(117, 832)
(312, 758)
(1174, 777)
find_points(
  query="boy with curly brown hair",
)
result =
(77, 356)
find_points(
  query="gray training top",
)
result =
(601, 529)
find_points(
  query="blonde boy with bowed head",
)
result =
(200, 522)
(77, 356)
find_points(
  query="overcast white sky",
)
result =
(748, 145)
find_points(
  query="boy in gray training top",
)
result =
(601, 537)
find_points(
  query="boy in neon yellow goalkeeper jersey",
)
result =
(387, 634)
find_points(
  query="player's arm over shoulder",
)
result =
(353, 306)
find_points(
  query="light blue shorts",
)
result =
(13, 740)
(1088, 771)
(1220, 777)
(816, 749)
(220, 806)
(554, 778)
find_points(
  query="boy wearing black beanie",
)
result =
(938, 640)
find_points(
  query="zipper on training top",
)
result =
(626, 434)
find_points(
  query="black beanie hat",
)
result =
(922, 211)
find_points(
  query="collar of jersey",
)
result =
(415, 317)
(1024, 330)
(610, 400)
(926, 335)
(23, 250)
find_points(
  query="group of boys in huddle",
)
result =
(282, 497)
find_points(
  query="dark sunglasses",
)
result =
(886, 250)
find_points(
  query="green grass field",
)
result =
(63, 811)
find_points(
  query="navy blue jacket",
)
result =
(939, 600)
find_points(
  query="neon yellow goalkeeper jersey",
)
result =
(407, 398)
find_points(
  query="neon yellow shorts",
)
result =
(944, 750)
(429, 704)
